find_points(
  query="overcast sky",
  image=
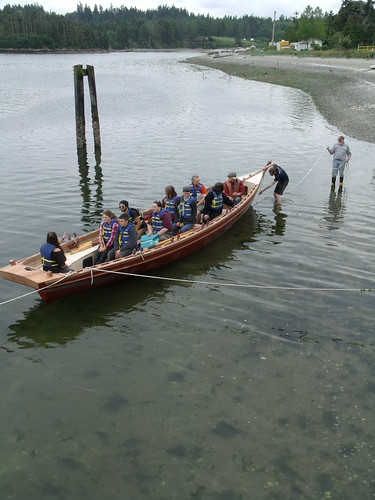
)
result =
(216, 8)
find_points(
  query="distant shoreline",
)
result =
(342, 89)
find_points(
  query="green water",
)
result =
(192, 389)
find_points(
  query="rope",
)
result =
(196, 282)
(298, 183)
(38, 290)
(234, 285)
(308, 173)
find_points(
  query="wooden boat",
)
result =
(50, 286)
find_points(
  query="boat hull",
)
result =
(53, 287)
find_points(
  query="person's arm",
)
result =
(100, 234)
(167, 223)
(226, 191)
(348, 154)
(330, 151)
(59, 257)
(207, 203)
(135, 216)
(241, 188)
(116, 242)
(177, 215)
(138, 223)
(150, 228)
(265, 189)
(227, 200)
(193, 207)
(240, 192)
(204, 194)
(113, 233)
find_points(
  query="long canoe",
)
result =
(50, 286)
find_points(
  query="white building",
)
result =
(306, 44)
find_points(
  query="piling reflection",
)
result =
(57, 323)
(91, 190)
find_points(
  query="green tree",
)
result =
(311, 24)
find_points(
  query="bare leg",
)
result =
(277, 198)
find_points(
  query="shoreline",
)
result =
(343, 90)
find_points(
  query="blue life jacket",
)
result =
(195, 190)
(184, 207)
(123, 237)
(107, 231)
(131, 219)
(217, 201)
(46, 254)
(169, 205)
(157, 223)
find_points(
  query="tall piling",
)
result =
(79, 73)
(94, 106)
(79, 95)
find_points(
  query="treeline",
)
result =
(31, 27)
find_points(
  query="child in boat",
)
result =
(53, 256)
(186, 211)
(125, 239)
(168, 202)
(107, 233)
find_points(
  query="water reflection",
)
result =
(92, 202)
(275, 227)
(335, 209)
(280, 221)
(59, 322)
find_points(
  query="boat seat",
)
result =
(75, 259)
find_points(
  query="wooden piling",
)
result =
(80, 106)
(79, 73)
(94, 106)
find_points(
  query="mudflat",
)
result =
(342, 89)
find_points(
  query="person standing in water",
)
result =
(341, 156)
(280, 177)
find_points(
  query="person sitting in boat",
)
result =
(280, 177)
(168, 202)
(134, 217)
(53, 256)
(186, 211)
(159, 222)
(107, 232)
(214, 201)
(125, 239)
(234, 188)
(199, 192)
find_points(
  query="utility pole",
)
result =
(273, 28)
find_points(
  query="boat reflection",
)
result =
(56, 323)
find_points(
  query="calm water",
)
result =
(165, 390)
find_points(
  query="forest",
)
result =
(30, 27)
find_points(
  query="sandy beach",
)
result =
(342, 89)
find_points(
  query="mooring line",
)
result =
(196, 282)
(234, 285)
(38, 290)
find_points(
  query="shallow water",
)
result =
(186, 389)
